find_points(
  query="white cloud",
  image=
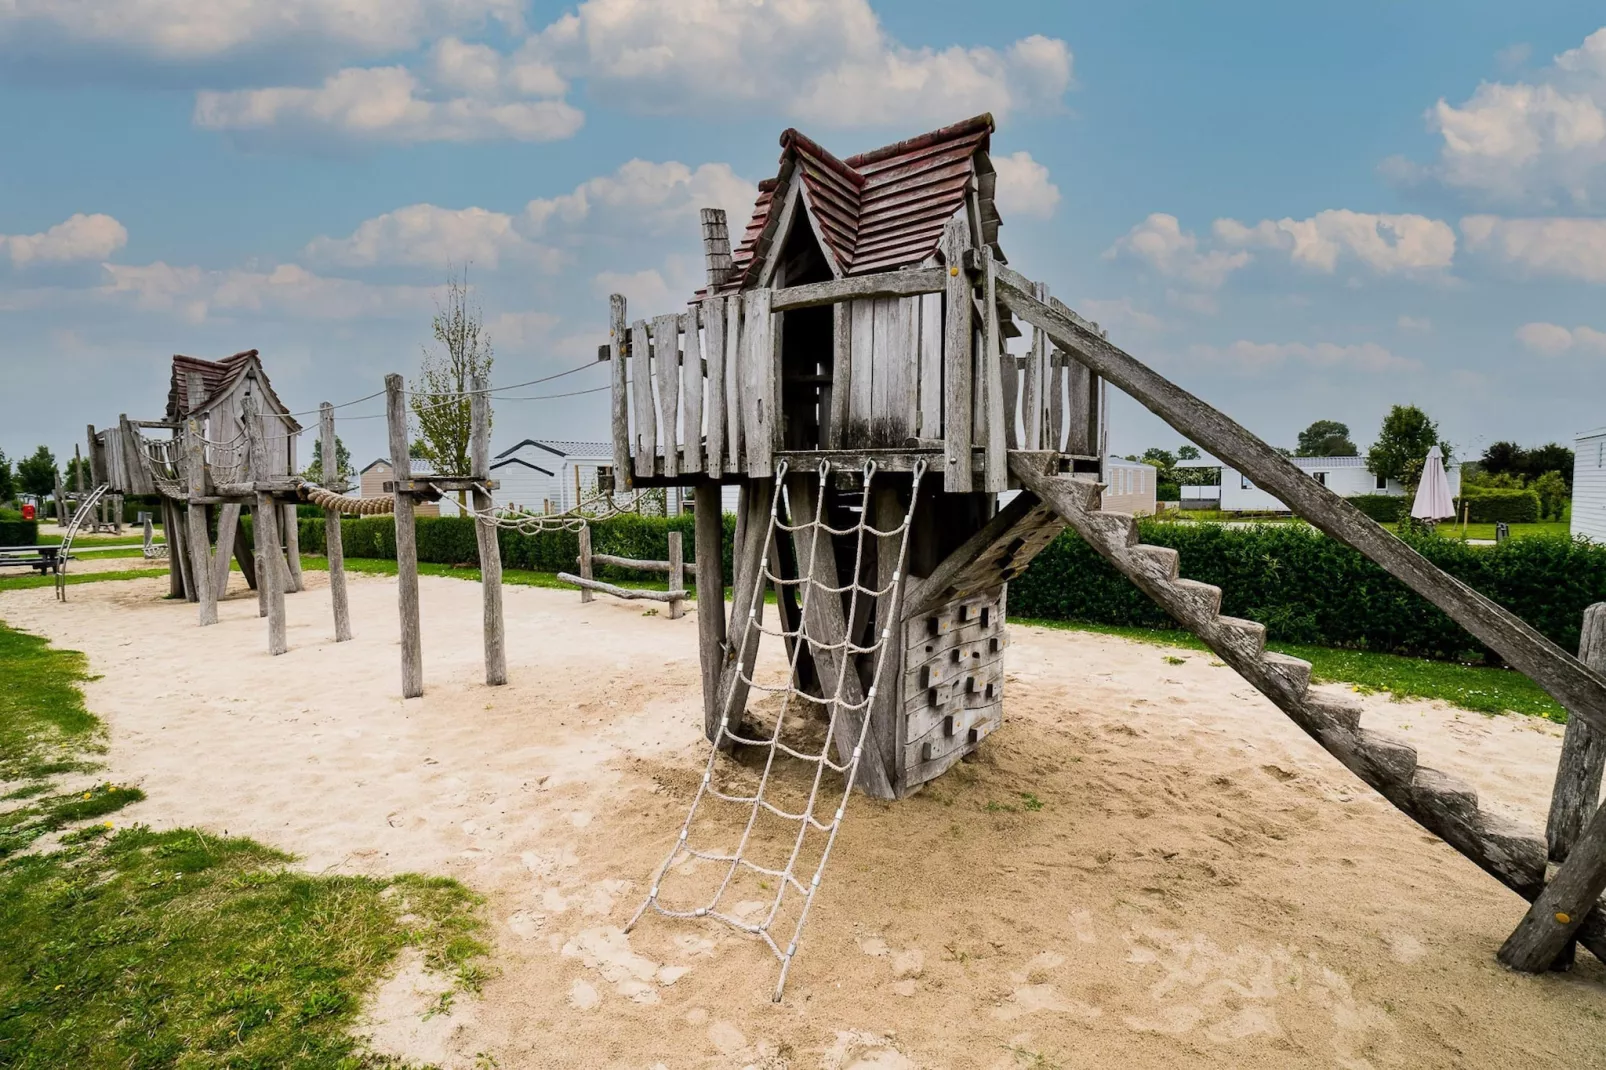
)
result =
(423, 235)
(1538, 143)
(287, 290)
(1565, 248)
(520, 330)
(383, 104)
(658, 291)
(1160, 242)
(1120, 316)
(79, 237)
(826, 61)
(1250, 358)
(190, 30)
(1387, 244)
(1024, 189)
(1414, 324)
(658, 196)
(1552, 340)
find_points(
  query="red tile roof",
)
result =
(879, 210)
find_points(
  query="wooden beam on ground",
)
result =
(708, 558)
(412, 646)
(333, 540)
(630, 593)
(1580, 689)
(908, 283)
(490, 547)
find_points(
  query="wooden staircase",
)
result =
(1445, 806)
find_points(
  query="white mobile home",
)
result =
(1129, 487)
(1589, 485)
(1345, 476)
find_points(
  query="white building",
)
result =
(1589, 485)
(1345, 476)
(1129, 487)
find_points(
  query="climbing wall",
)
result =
(953, 684)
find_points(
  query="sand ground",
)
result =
(1148, 866)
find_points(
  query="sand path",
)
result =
(1200, 884)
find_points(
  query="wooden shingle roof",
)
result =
(217, 376)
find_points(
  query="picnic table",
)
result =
(46, 559)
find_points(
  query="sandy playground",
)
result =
(1148, 866)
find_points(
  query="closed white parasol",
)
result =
(1433, 501)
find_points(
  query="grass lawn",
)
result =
(1478, 688)
(1549, 529)
(132, 948)
(28, 580)
(53, 537)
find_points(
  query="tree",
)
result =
(1553, 495)
(8, 479)
(1552, 457)
(37, 474)
(69, 477)
(1187, 453)
(1402, 445)
(1326, 438)
(1503, 458)
(438, 396)
(343, 469)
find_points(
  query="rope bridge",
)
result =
(839, 709)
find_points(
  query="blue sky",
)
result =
(1297, 211)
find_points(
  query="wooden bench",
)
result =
(44, 558)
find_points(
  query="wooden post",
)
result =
(619, 398)
(401, 466)
(885, 712)
(485, 534)
(995, 470)
(645, 408)
(292, 548)
(677, 575)
(1547, 930)
(708, 550)
(269, 556)
(333, 542)
(691, 395)
(228, 522)
(666, 365)
(733, 384)
(742, 648)
(195, 516)
(956, 355)
(585, 562)
(176, 586)
(61, 504)
(149, 534)
(713, 313)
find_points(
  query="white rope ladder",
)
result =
(835, 706)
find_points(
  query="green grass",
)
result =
(23, 583)
(1549, 529)
(1478, 688)
(86, 539)
(179, 949)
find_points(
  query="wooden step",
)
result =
(1247, 638)
(1202, 600)
(1120, 530)
(1166, 562)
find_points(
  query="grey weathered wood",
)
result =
(837, 397)
(666, 365)
(826, 624)
(490, 548)
(888, 513)
(265, 527)
(245, 557)
(893, 399)
(713, 316)
(691, 395)
(1011, 380)
(620, 395)
(677, 575)
(992, 542)
(956, 349)
(716, 246)
(585, 562)
(671, 597)
(333, 541)
(177, 563)
(228, 523)
(708, 553)
(995, 463)
(760, 372)
(910, 282)
(195, 518)
(741, 649)
(61, 504)
(412, 647)
(630, 562)
(292, 549)
(1580, 689)
(1576, 793)
(1548, 928)
(861, 413)
(1080, 436)
(1056, 400)
(644, 410)
(929, 375)
(734, 455)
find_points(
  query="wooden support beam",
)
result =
(671, 596)
(888, 510)
(644, 409)
(691, 395)
(908, 283)
(333, 541)
(195, 518)
(998, 552)
(677, 576)
(666, 366)
(293, 583)
(1583, 752)
(587, 558)
(265, 526)
(741, 650)
(620, 397)
(244, 556)
(708, 554)
(228, 522)
(485, 535)
(401, 461)
(733, 385)
(956, 349)
(1580, 689)
(713, 316)
(1555, 917)
(995, 466)
(761, 374)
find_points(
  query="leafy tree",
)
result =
(1326, 438)
(1402, 445)
(1477, 476)
(1187, 453)
(1553, 495)
(37, 474)
(343, 468)
(8, 479)
(438, 396)
(69, 477)
(1504, 458)
(1552, 457)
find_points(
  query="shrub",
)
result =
(15, 531)
(1383, 508)
(1486, 505)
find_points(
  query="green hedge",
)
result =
(1307, 588)
(1383, 508)
(15, 531)
(1486, 505)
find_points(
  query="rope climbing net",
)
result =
(839, 712)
